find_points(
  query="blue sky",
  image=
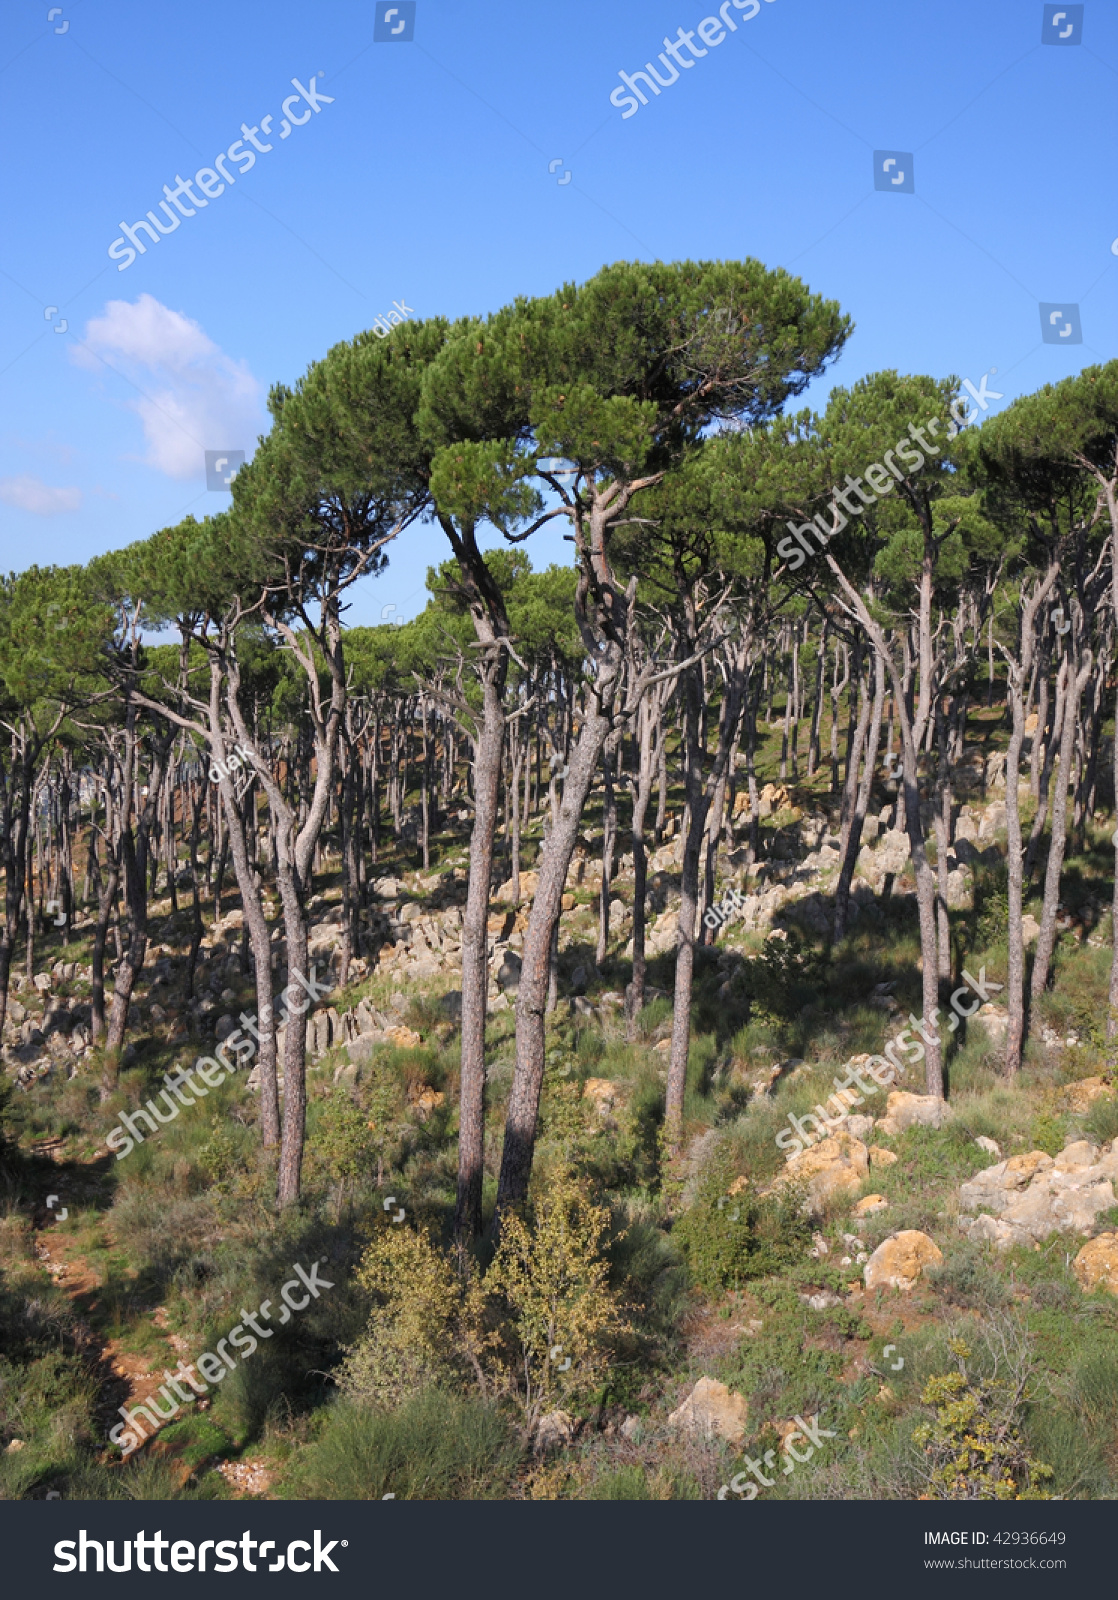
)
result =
(426, 180)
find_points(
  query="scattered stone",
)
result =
(869, 1204)
(1081, 1096)
(835, 1165)
(247, 1477)
(508, 974)
(880, 1157)
(901, 1260)
(403, 1038)
(711, 1409)
(1031, 1196)
(913, 1110)
(1096, 1265)
(995, 1020)
(425, 1100)
(554, 1431)
(991, 1146)
(529, 883)
(602, 1093)
(823, 1301)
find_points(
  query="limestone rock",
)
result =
(403, 1038)
(991, 1146)
(880, 1157)
(958, 888)
(508, 974)
(869, 1204)
(711, 1409)
(423, 1100)
(909, 1110)
(1031, 1196)
(554, 1430)
(1080, 1096)
(602, 1094)
(835, 1165)
(995, 1020)
(892, 853)
(823, 1301)
(529, 883)
(900, 1261)
(1097, 1264)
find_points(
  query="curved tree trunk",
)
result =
(543, 921)
(852, 842)
(475, 952)
(1046, 940)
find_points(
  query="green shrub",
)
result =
(975, 1449)
(627, 1483)
(1101, 1122)
(729, 1239)
(777, 984)
(436, 1446)
(968, 1277)
(1048, 1133)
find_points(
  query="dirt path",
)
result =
(127, 1377)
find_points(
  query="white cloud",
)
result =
(194, 397)
(32, 494)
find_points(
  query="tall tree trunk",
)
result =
(1017, 676)
(543, 920)
(475, 949)
(1046, 939)
(942, 825)
(699, 795)
(852, 836)
(135, 847)
(647, 719)
(609, 841)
